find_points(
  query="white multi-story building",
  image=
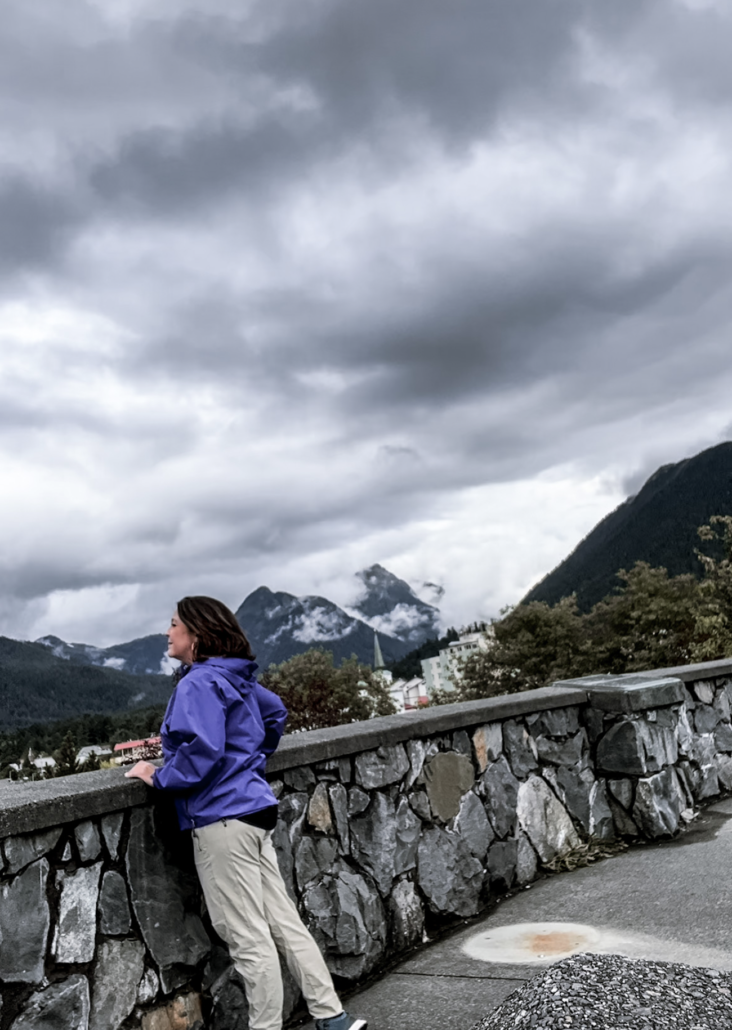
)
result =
(443, 671)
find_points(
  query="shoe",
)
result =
(342, 1022)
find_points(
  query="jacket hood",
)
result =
(244, 668)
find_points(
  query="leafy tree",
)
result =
(318, 694)
(713, 637)
(649, 623)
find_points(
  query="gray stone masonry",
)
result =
(387, 829)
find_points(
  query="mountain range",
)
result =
(657, 525)
(280, 625)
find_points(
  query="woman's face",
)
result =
(181, 642)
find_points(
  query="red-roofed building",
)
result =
(138, 750)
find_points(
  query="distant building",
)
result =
(93, 749)
(136, 750)
(443, 671)
(409, 695)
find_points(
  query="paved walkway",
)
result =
(669, 901)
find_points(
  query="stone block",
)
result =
(300, 778)
(182, 1013)
(165, 901)
(112, 832)
(709, 786)
(461, 743)
(229, 1009)
(657, 806)
(500, 788)
(448, 874)
(567, 752)
(684, 732)
(62, 1006)
(76, 930)
(88, 841)
(526, 861)
(319, 815)
(544, 820)
(703, 691)
(288, 831)
(634, 694)
(487, 744)
(724, 771)
(416, 750)
(624, 825)
(117, 976)
(594, 723)
(704, 749)
(148, 987)
(21, 851)
(723, 737)
(24, 924)
(705, 718)
(373, 840)
(636, 747)
(408, 829)
(314, 856)
(501, 863)
(573, 787)
(381, 767)
(601, 816)
(420, 803)
(114, 908)
(622, 790)
(344, 768)
(520, 748)
(406, 917)
(347, 919)
(447, 777)
(339, 806)
(471, 823)
(556, 722)
(358, 800)
(722, 705)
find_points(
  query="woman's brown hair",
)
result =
(217, 633)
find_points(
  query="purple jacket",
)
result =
(219, 729)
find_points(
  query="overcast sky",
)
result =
(287, 289)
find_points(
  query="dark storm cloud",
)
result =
(352, 257)
(37, 224)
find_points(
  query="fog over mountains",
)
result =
(280, 625)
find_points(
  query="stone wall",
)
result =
(389, 829)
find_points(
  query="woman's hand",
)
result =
(142, 771)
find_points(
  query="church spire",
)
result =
(378, 657)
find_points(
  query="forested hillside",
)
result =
(36, 686)
(657, 526)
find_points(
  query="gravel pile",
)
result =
(610, 992)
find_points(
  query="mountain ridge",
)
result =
(658, 525)
(280, 625)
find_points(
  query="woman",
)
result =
(219, 729)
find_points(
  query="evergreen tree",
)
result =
(66, 763)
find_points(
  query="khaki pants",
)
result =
(252, 912)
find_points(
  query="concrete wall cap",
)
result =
(629, 693)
